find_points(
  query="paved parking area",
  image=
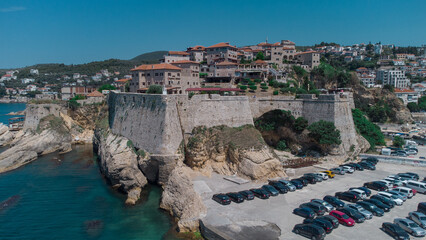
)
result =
(279, 209)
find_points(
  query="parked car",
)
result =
(334, 201)
(387, 183)
(356, 166)
(367, 165)
(379, 204)
(317, 178)
(235, 197)
(330, 219)
(407, 176)
(365, 213)
(372, 160)
(376, 211)
(395, 231)
(247, 195)
(338, 170)
(360, 192)
(411, 151)
(279, 186)
(309, 178)
(311, 231)
(354, 214)
(319, 209)
(271, 190)
(324, 176)
(403, 196)
(366, 190)
(260, 193)
(418, 186)
(419, 218)
(305, 212)
(410, 227)
(384, 200)
(329, 173)
(348, 169)
(421, 207)
(395, 182)
(288, 184)
(415, 175)
(326, 225)
(395, 199)
(378, 186)
(348, 196)
(222, 199)
(298, 184)
(343, 218)
(327, 205)
(405, 190)
(303, 181)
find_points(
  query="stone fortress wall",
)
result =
(35, 112)
(159, 123)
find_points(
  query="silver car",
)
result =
(418, 218)
(410, 227)
(288, 184)
(360, 209)
(401, 195)
(327, 205)
(348, 169)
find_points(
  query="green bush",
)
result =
(324, 132)
(288, 90)
(243, 87)
(301, 91)
(300, 124)
(106, 87)
(263, 84)
(264, 87)
(398, 141)
(251, 83)
(275, 92)
(155, 89)
(253, 87)
(367, 129)
(257, 80)
(73, 104)
(281, 145)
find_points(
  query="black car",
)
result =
(247, 195)
(421, 207)
(298, 184)
(311, 231)
(367, 165)
(355, 215)
(271, 190)
(384, 200)
(318, 208)
(378, 186)
(279, 186)
(325, 224)
(376, 211)
(222, 199)
(348, 196)
(331, 219)
(305, 212)
(366, 190)
(317, 178)
(395, 231)
(334, 201)
(310, 179)
(235, 197)
(356, 166)
(260, 193)
(414, 175)
(371, 160)
(379, 204)
(303, 181)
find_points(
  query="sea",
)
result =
(66, 197)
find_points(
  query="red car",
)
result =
(343, 218)
(414, 192)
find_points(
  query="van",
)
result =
(405, 190)
(422, 207)
(418, 186)
(386, 151)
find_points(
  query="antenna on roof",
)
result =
(266, 39)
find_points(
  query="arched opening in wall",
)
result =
(283, 131)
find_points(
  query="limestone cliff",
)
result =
(230, 151)
(118, 161)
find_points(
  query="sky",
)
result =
(81, 31)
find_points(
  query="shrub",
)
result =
(264, 87)
(275, 92)
(281, 145)
(251, 83)
(155, 89)
(301, 91)
(300, 124)
(73, 104)
(257, 80)
(243, 87)
(398, 141)
(252, 87)
(324, 132)
(367, 129)
(263, 84)
(106, 87)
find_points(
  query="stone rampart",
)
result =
(35, 112)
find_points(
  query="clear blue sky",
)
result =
(79, 31)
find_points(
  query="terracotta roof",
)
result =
(95, 93)
(178, 53)
(156, 67)
(185, 61)
(399, 90)
(198, 47)
(260, 62)
(124, 80)
(288, 48)
(220, 45)
(264, 44)
(214, 89)
(225, 63)
(419, 85)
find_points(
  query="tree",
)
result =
(367, 129)
(324, 132)
(377, 114)
(106, 87)
(253, 87)
(32, 94)
(398, 141)
(281, 145)
(389, 87)
(155, 89)
(413, 107)
(243, 87)
(300, 124)
(260, 56)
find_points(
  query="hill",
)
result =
(150, 57)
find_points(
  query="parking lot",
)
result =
(279, 209)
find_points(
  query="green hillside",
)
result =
(150, 57)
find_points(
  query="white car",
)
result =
(360, 193)
(388, 184)
(395, 182)
(348, 169)
(391, 197)
(405, 190)
(411, 152)
(323, 175)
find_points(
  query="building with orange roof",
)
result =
(221, 52)
(173, 56)
(95, 93)
(197, 53)
(407, 95)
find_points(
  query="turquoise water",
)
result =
(65, 197)
(6, 108)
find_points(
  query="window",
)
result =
(156, 74)
(169, 74)
(178, 74)
(148, 74)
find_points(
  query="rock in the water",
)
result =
(119, 163)
(181, 200)
(6, 136)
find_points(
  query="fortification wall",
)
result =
(35, 112)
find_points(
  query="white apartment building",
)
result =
(392, 77)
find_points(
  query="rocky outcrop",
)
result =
(6, 136)
(181, 201)
(230, 151)
(118, 161)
